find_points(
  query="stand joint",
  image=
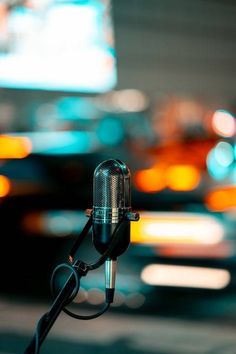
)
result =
(81, 267)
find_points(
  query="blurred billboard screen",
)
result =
(57, 45)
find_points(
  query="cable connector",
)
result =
(110, 278)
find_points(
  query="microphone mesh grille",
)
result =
(108, 185)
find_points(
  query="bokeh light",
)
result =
(185, 276)
(182, 177)
(5, 186)
(110, 131)
(95, 296)
(177, 177)
(159, 228)
(130, 100)
(13, 147)
(223, 123)
(150, 180)
(221, 199)
(220, 159)
(224, 153)
(135, 300)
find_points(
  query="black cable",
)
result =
(80, 238)
(77, 282)
(74, 293)
(87, 317)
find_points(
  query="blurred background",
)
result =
(151, 83)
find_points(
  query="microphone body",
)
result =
(111, 203)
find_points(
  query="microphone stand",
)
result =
(65, 296)
(50, 317)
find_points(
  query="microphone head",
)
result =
(111, 202)
(111, 191)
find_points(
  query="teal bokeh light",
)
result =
(220, 160)
(76, 108)
(110, 131)
(62, 142)
(224, 153)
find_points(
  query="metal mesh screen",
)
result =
(108, 185)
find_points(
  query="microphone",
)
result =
(111, 201)
(111, 206)
(110, 219)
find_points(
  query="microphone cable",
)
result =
(74, 293)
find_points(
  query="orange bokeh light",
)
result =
(182, 177)
(5, 186)
(221, 199)
(12, 147)
(177, 177)
(150, 180)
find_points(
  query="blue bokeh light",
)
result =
(110, 131)
(220, 160)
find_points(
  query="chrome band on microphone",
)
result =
(109, 215)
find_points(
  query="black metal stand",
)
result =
(51, 316)
(63, 297)
(71, 287)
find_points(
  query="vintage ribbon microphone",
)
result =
(111, 205)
